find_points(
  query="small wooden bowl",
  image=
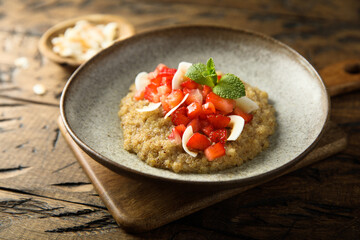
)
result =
(46, 47)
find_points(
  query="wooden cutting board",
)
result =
(139, 206)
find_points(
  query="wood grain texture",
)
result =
(143, 205)
(318, 202)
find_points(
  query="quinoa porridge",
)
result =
(158, 141)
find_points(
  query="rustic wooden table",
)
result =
(44, 194)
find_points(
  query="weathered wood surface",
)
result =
(44, 194)
(139, 206)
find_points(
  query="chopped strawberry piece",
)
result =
(179, 117)
(218, 136)
(174, 98)
(160, 67)
(164, 90)
(175, 136)
(186, 90)
(181, 110)
(207, 129)
(139, 95)
(194, 110)
(190, 84)
(208, 108)
(164, 103)
(198, 141)
(195, 123)
(206, 90)
(218, 120)
(215, 151)
(224, 105)
(167, 71)
(180, 129)
(151, 93)
(194, 96)
(246, 116)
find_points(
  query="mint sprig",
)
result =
(229, 86)
(203, 74)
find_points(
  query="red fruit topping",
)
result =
(208, 108)
(224, 105)
(174, 98)
(207, 129)
(194, 96)
(195, 123)
(179, 117)
(206, 90)
(246, 116)
(180, 129)
(198, 141)
(218, 136)
(215, 151)
(190, 84)
(218, 120)
(175, 136)
(151, 93)
(139, 95)
(164, 90)
(194, 110)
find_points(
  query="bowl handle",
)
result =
(342, 77)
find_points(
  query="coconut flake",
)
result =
(179, 74)
(176, 107)
(149, 108)
(237, 124)
(246, 104)
(185, 138)
(141, 81)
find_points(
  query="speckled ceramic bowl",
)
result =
(90, 100)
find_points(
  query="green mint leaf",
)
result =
(210, 66)
(230, 86)
(198, 73)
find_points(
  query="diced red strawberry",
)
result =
(174, 98)
(195, 123)
(206, 90)
(246, 116)
(164, 90)
(224, 105)
(186, 90)
(208, 108)
(190, 84)
(198, 141)
(175, 136)
(165, 71)
(194, 110)
(151, 93)
(218, 136)
(207, 129)
(215, 151)
(218, 120)
(194, 96)
(179, 117)
(180, 129)
(139, 95)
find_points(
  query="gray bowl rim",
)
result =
(120, 169)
